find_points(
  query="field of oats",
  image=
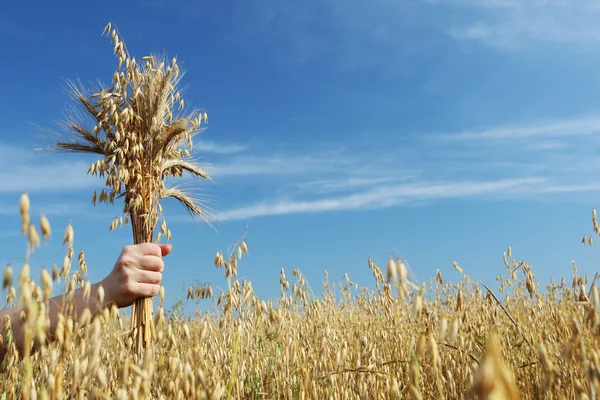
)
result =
(323, 340)
(438, 340)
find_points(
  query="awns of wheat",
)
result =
(142, 138)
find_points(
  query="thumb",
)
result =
(165, 249)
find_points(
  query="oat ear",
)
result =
(492, 379)
(142, 137)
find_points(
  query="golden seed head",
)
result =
(443, 328)
(459, 300)
(492, 379)
(68, 238)
(595, 296)
(392, 271)
(161, 294)
(420, 348)
(87, 290)
(24, 276)
(85, 317)
(100, 295)
(8, 277)
(24, 204)
(453, 334)
(46, 284)
(544, 358)
(34, 237)
(45, 226)
(417, 307)
(55, 273)
(457, 267)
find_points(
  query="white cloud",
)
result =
(56, 177)
(68, 208)
(515, 24)
(584, 126)
(220, 148)
(283, 164)
(340, 185)
(479, 31)
(547, 145)
(484, 162)
(570, 188)
(491, 161)
(384, 197)
(24, 170)
(561, 150)
(347, 34)
(370, 34)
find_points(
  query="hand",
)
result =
(137, 273)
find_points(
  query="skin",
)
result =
(137, 273)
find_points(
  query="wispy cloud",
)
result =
(363, 33)
(56, 208)
(570, 188)
(370, 33)
(24, 170)
(555, 129)
(47, 177)
(346, 184)
(517, 24)
(561, 150)
(220, 148)
(510, 161)
(283, 163)
(349, 35)
(514, 161)
(547, 145)
(394, 195)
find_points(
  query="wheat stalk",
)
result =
(143, 138)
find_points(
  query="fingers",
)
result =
(166, 249)
(146, 289)
(150, 249)
(153, 249)
(152, 277)
(151, 263)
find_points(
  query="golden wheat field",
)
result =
(447, 338)
(437, 340)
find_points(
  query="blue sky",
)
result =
(339, 131)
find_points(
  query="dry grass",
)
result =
(437, 340)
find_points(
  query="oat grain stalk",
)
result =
(142, 136)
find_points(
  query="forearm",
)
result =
(59, 305)
(56, 306)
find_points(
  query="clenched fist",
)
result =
(137, 273)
